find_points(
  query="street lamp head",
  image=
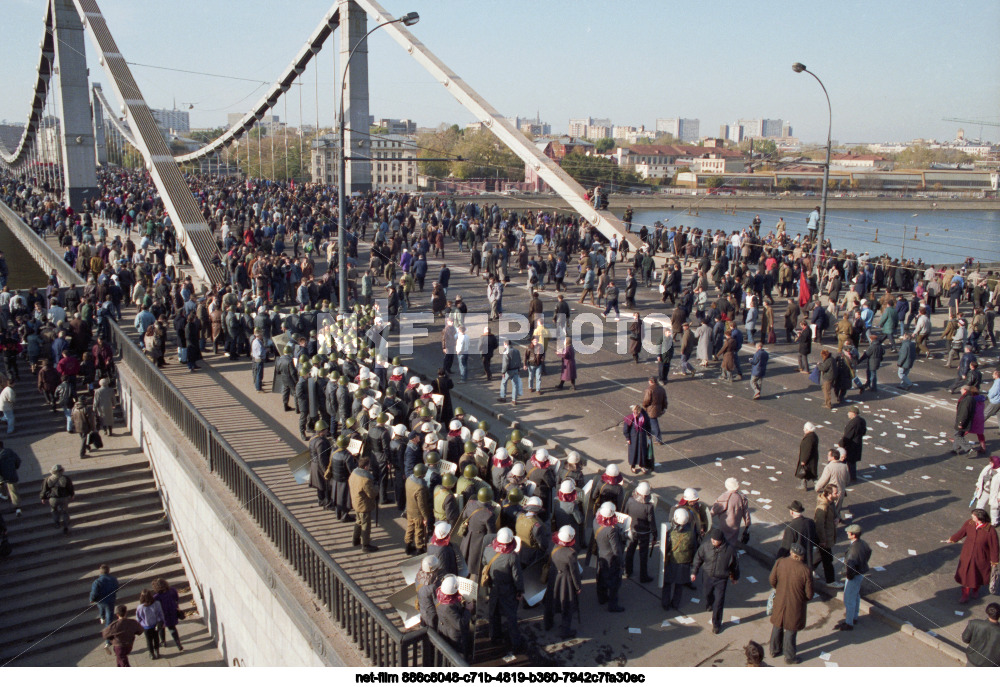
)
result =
(798, 67)
(410, 18)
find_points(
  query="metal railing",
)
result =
(361, 619)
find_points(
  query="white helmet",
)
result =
(399, 430)
(465, 434)
(573, 458)
(566, 534)
(431, 439)
(607, 510)
(430, 563)
(449, 585)
(442, 530)
(505, 536)
(367, 402)
(690, 494)
(455, 424)
(642, 489)
(414, 380)
(567, 487)
(427, 428)
(373, 412)
(478, 435)
(426, 389)
(542, 455)
(397, 372)
(611, 471)
(682, 516)
(500, 453)
(534, 503)
(517, 470)
(732, 484)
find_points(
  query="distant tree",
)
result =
(922, 157)
(786, 184)
(761, 146)
(714, 182)
(605, 144)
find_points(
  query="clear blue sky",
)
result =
(893, 69)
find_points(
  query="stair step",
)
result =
(41, 549)
(77, 590)
(40, 519)
(151, 546)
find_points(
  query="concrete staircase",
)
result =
(116, 518)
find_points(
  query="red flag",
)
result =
(803, 289)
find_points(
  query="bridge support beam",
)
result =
(77, 140)
(100, 145)
(353, 27)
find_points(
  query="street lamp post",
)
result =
(798, 67)
(408, 19)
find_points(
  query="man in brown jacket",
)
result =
(826, 518)
(792, 582)
(654, 402)
(364, 496)
(418, 511)
(122, 633)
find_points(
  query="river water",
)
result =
(936, 236)
(23, 271)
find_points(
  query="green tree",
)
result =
(605, 144)
(713, 182)
(786, 184)
(922, 157)
(761, 146)
(591, 170)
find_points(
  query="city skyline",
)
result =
(907, 97)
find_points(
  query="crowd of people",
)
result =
(379, 433)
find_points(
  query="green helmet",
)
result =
(514, 495)
(316, 360)
(323, 372)
(341, 380)
(483, 425)
(396, 361)
(419, 469)
(515, 436)
(448, 481)
(470, 472)
(350, 422)
(470, 447)
(432, 458)
(288, 349)
(382, 418)
(484, 495)
(418, 403)
(459, 411)
(358, 394)
(426, 412)
(341, 442)
(304, 367)
(321, 425)
(363, 384)
(390, 392)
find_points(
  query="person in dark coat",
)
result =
(720, 564)
(440, 546)
(168, 598)
(397, 449)
(302, 404)
(478, 521)
(568, 357)
(504, 580)
(341, 466)
(807, 467)
(568, 510)
(643, 533)
(443, 385)
(804, 340)
(983, 638)
(980, 552)
(192, 333)
(791, 579)
(635, 428)
(427, 581)
(562, 594)
(453, 616)
(681, 546)
(802, 531)
(319, 464)
(635, 338)
(285, 377)
(610, 553)
(852, 440)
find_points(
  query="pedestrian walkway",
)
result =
(116, 518)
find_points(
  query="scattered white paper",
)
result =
(773, 479)
(884, 510)
(882, 467)
(665, 623)
(509, 658)
(879, 568)
(740, 458)
(925, 477)
(912, 552)
(751, 579)
(634, 631)
(694, 601)
(968, 467)
(959, 613)
(684, 620)
(901, 436)
(827, 422)
(769, 467)
(755, 492)
(745, 469)
(767, 506)
(885, 481)
(831, 664)
(884, 546)
(735, 619)
(746, 483)
(825, 656)
(846, 516)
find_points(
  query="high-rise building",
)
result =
(680, 128)
(771, 128)
(175, 120)
(590, 128)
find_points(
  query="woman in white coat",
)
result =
(987, 495)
